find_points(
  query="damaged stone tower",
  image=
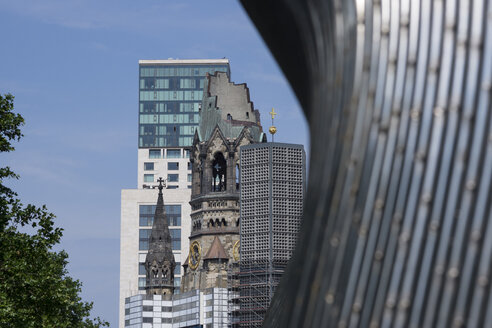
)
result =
(228, 121)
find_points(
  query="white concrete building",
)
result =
(137, 210)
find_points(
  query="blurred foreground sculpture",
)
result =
(397, 227)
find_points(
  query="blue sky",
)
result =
(73, 68)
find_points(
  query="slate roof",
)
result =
(216, 251)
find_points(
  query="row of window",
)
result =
(168, 153)
(150, 209)
(142, 283)
(146, 215)
(165, 141)
(169, 118)
(144, 235)
(171, 130)
(175, 83)
(171, 166)
(150, 308)
(169, 106)
(181, 71)
(171, 95)
(170, 178)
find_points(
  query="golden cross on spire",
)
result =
(273, 129)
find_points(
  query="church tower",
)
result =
(160, 262)
(228, 121)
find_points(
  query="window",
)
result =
(146, 215)
(177, 269)
(147, 320)
(172, 177)
(141, 269)
(173, 213)
(175, 239)
(187, 83)
(190, 176)
(143, 236)
(141, 283)
(189, 186)
(189, 166)
(172, 187)
(219, 172)
(148, 178)
(229, 117)
(177, 281)
(154, 153)
(173, 153)
(148, 308)
(187, 152)
(173, 166)
(148, 166)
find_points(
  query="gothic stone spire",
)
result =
(160, 262)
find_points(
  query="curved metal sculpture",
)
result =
(397, 227)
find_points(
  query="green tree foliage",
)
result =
(35, 290)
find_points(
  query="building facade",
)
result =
(228, 121)
(272, 178)
(198, 308)
(170, 94)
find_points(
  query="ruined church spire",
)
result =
(160, 262)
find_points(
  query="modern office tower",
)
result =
(272, 179)
(170, 94)
(228, 120)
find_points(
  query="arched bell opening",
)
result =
(219, 173)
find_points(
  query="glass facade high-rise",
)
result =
(170, 95)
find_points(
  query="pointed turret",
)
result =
(160, 262)
(216, 251)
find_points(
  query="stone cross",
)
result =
(162, 183)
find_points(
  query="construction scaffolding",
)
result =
(258, 282)
(233, 294)
(271, 200)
